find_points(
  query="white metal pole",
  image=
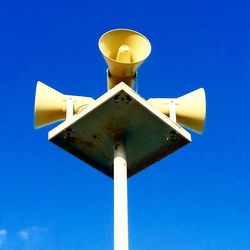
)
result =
(120, 198)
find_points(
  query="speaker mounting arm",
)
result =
(172, 111)
(69, 108)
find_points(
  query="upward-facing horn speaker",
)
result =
(124, 51)
(51, 105)
(190, 109)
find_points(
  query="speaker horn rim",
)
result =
(130, 30)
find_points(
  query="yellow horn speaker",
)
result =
(124, 51)
(51, 105)
(190, 109)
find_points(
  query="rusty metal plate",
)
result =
(91, 135)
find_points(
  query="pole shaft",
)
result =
(120, 198)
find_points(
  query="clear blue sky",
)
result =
(195, 199)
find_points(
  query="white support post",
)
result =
(120, 198)
(172, 111)
(69, 108)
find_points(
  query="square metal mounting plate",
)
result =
(91, 134)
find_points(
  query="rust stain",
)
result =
(84, 143)
(87, 143)
(112, 127)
